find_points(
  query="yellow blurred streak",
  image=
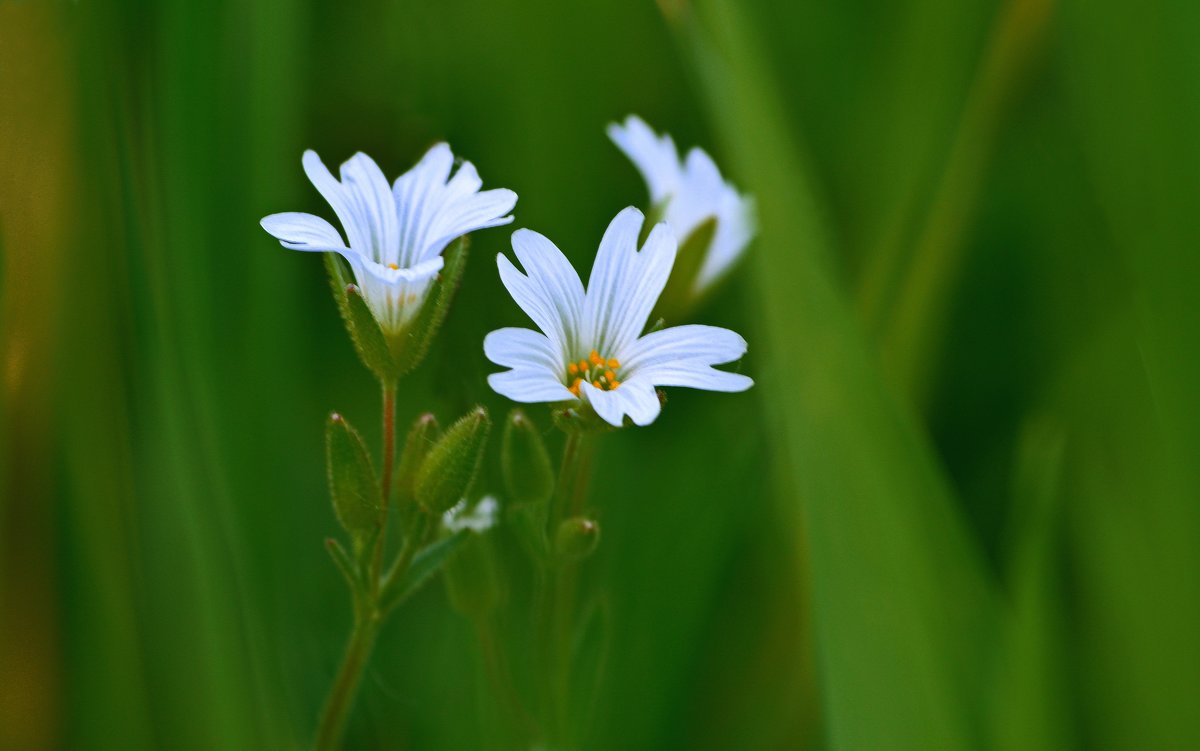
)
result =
(36, 191)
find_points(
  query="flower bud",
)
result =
(421, 437)
(528, 475)
(447, 472)
(576, 538)
(352, 482)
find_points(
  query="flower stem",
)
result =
(341, 696)
(556, 606)
(389, 461)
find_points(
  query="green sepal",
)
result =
(450, 468)
(421, 438)
(409, 347)
(352, 483)
(576, 538)
(368, 338)
(424, 565)
(680, 295)
(524, 461)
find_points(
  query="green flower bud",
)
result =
(576, 538)
(528, 474)
(352, 482)
(447, 472)
(421, 437)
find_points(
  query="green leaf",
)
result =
(352, 482)
(408, 349)
(424, 565)
(900, 595)
(450, 468)
(528, 473)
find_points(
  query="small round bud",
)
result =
(576, 538)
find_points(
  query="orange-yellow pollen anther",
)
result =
(596, 384)
(574, 389)
(610, 375)
(596, 358)
(572, 368)
(614, 362)
(394, 266)
(583, 365)
(614, 383)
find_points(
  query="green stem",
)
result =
(341, 696)
(556, 596)
(389, 461)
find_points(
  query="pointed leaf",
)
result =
(424, 565)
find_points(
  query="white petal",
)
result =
(654, 156)
(684, 356)
(435, 208)
(550, 293)
(353, 223)
(529, 385)
(606, 404)
(522, 348)
(639, 400)
(395, 296)
(625, 284)
(366, 188)
(303, 232)
(735, 230)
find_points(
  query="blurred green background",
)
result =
(961, 508)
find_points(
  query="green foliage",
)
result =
(450, 467)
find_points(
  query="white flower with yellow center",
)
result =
(591, 348)
(395, 234)
(689, 192)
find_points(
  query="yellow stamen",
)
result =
(610, 375)
(394, 266)
(596, 384)
(596, 358)
(614, 384)
(572, 368)
(614, 363)
(575, 386)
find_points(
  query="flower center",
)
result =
(394, 266)
(594, 369)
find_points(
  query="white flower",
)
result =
(395, 235)
(591, 349)
(479, 519)
(689, 192)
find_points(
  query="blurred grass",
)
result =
(977, 532)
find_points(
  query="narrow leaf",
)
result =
(425, 564)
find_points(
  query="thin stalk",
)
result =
(388, 460)
(500, 678)
(341, 696)
(556, 596)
